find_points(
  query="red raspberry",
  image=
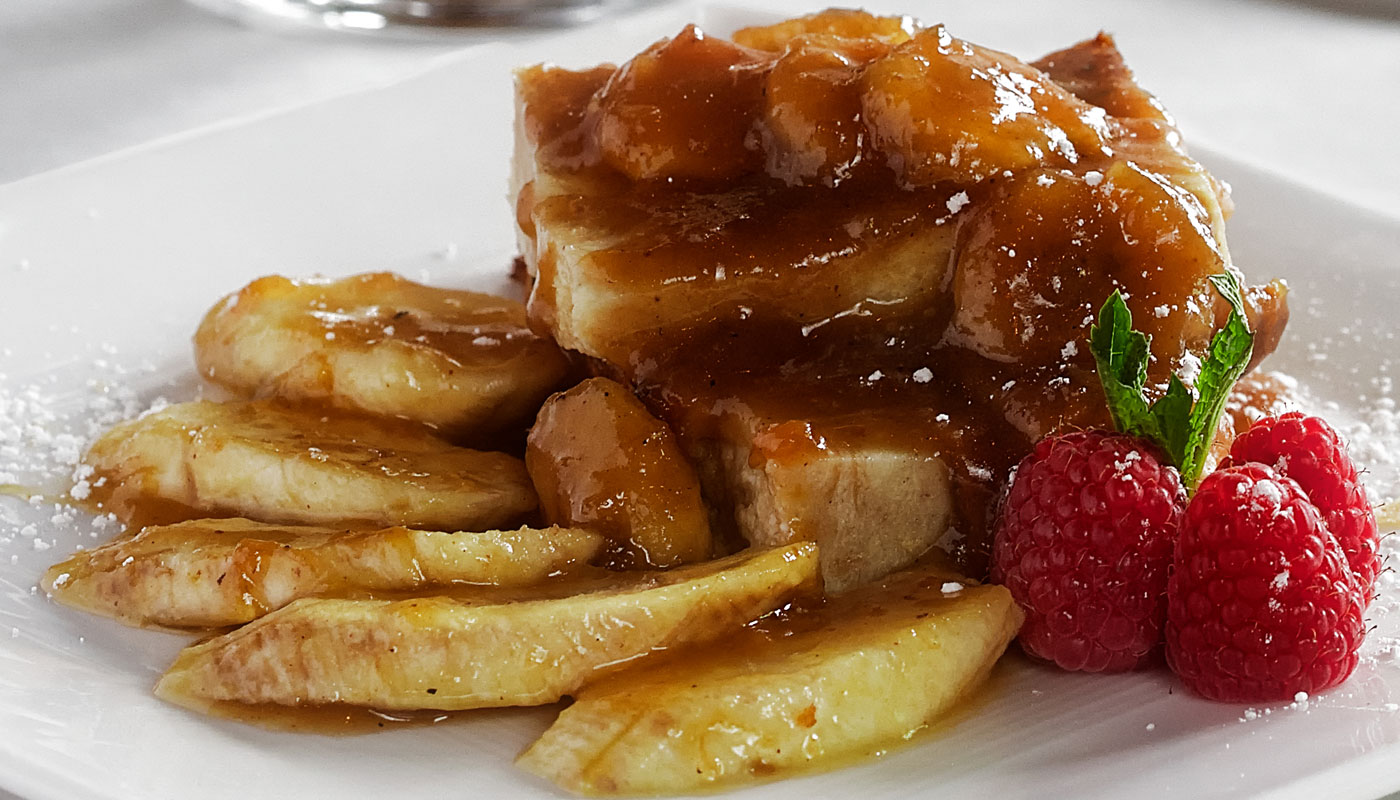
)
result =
(1261, 602)
(1307, 450)
(1084, 541)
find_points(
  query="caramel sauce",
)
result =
(716, 387)
(333, 720)
(942, 109)
(907, 251)
(700, 236)
(842, 23)
(710, 90)
(139, 509)
(1094, 71)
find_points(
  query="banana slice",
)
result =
(274, 463)
(215, 572)
(600, 460)
(463, 362)
(446, 652)
(873, 667)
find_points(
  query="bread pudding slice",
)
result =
(852, 261)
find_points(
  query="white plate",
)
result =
(106, 268)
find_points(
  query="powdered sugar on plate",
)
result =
(44, 430)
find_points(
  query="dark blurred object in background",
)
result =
(402, 15)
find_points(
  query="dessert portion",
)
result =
(209, 573)
(316, 466)
(858, 291)
(462, 362)
(835, 278)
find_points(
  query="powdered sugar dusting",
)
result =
(43, 434)
(1372, 432)
(1190, 368)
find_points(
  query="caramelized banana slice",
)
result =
(279, 464)
(870, 669)
(216, 572)
(600, 460)
(463, 362)
(836, 22)
(942, 109)
(446, 652)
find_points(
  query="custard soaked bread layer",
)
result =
(883, 235)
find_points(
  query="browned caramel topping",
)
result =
(599, 460)
(941, 109)
(841, 22)
(898, 239)
(1095, 72)
(1082, 233)
(684, 108)
(561, 132)
(812, 111)
(810, 99)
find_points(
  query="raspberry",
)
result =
(1084, 541)
(1307, 450)
(1261, 602)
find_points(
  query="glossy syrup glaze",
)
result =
(600, 460)
(279, 462)
(881, 233)
(217, 572)
(468, 328)
(462, 362)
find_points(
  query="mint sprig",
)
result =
(1181, 422)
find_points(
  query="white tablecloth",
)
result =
(1308, 90)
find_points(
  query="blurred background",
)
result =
(1307, 89)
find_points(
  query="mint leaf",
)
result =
(1230, 351)
(1172, 412)
(1181, 422)
(1121, 355)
